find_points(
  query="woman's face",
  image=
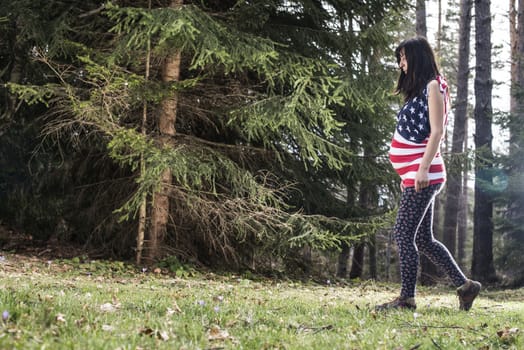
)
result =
(403, 63)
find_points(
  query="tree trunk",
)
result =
(482, 264)
(343, 257)
(368, 199)
(372, 252)
(515, 212)
(357, 263)
(516, 205)
(513, 38)
(439, 29)
(421, 27)
(461, 109)
(142, 213)
(451, 208)
(454, 183)
(351, 199)
(15, 70)
(166, 127)
(462, 222)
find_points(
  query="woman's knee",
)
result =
(404, 242)
(425, 245)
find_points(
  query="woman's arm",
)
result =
(436, 121)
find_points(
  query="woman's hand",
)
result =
(436, 121)
(421, 179)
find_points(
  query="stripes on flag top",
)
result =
(411, 137)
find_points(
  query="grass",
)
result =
(103, 305)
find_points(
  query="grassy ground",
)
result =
(101, 305)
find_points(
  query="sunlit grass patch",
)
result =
(105, 305)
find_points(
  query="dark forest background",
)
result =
(248, 135)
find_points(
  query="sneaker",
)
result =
(399, 304)
(467, 293)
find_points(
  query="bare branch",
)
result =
(92, 12)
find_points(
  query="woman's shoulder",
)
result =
(433, 84)
(439, 82)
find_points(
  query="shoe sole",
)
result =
(466, 305)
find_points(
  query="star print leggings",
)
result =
(413, 232)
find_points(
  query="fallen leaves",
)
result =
(508, 335)
(215, 333)
(174, 310)
(60, 318)
(308, 329)
(110, 307)
(107, 328)
(146, 311)
(161, 335)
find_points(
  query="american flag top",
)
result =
(411, 137)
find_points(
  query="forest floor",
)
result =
(23, 244)
(78, 303)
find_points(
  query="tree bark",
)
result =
(513, 38)
(351, 200)
(462, 222)
(367, 203)
(343, 257)
(482, 265)
(420, 10)
(516, 106)
(357, 263)
(454, 183)
(439, 29)
(372, 253)
(142, 213)
(515, 213)
(15, 70)
(166, 126)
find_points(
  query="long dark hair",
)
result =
(422, 67)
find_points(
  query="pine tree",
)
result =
(249, 96)
(455, 171)
(482, 266)
(461, 123)
(513, 234)
(421, 27)
(38, 173)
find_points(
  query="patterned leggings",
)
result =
(413, 230)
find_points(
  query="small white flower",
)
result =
(107, 328)
(107, 307)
